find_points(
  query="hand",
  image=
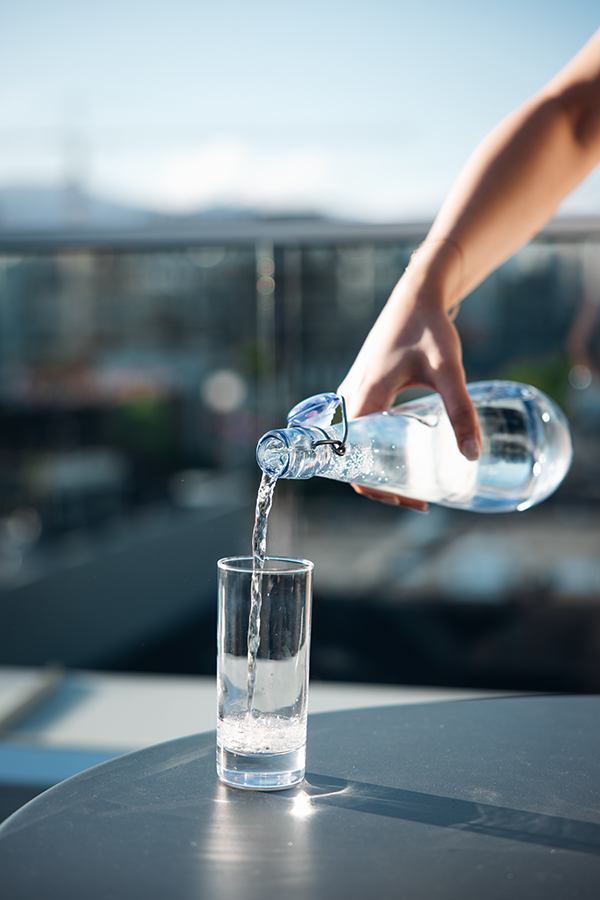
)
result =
(413, 344)
(392, 499)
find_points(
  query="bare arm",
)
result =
(508, 190)
(523, 169)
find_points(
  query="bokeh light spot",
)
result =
(223, 391)
(580, 378)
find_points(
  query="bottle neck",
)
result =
(289, 452)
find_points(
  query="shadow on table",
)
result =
(447, 812)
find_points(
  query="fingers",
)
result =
(413, 345)
(392, 499)
(461, 413)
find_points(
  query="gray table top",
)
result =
(482, 798)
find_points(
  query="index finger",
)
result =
(461, 412)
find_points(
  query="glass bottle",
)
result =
(411, 449)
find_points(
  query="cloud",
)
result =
(229, 170)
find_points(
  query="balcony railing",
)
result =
(138, 371)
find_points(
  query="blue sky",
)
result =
(361, 109)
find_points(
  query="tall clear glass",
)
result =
(262, 671)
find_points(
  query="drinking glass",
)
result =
(262, 696)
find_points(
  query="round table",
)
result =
(482, 798)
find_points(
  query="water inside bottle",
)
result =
(411, 450)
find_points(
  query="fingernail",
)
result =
(470, 448)
(422, 512)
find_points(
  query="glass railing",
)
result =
(135, 379)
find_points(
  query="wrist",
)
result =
(435, 274)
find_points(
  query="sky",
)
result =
(363, 110)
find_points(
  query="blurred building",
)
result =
(137, 370)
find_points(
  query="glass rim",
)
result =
(246, 564)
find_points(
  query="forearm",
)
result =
(507, 191)
(514, 181)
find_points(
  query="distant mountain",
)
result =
(26, 209)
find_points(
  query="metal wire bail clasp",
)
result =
(338, 447)
(319, 412)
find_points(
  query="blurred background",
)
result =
(202, 210)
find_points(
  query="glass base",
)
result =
(261, 771)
